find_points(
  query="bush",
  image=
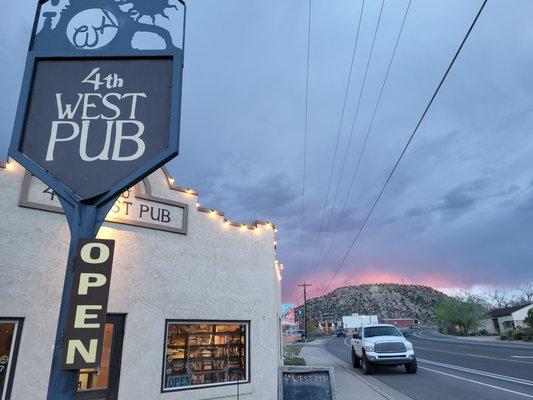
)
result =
(452, 330)
(484, 332)
(529, 319)
(528, 335)
(518, 334)
(464, 313)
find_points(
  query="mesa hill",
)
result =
(387, 300)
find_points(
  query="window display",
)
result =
(97, 379)
(205, 353)
(9, 340)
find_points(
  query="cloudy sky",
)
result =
(459, 211)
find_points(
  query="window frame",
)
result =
(246, 323)
(13, 355)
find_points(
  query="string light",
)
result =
(278, 267)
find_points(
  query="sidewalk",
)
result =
(348, 381)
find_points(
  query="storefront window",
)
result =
(9, 341)
(98, 379)
(205, 353)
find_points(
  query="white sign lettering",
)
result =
(75, 116)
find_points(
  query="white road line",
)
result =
(474, 372)
(423, 335)
(528, 357)
(478, 372)
(478, 383)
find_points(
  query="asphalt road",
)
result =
(450, 368)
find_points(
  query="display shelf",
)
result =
(201, 355)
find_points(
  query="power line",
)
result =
(370, 126)
(389, 177)
(363, 85)
(305, 131)
(346, 92)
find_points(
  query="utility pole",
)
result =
(305, 286)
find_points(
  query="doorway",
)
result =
(102, 383)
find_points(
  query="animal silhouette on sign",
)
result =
(104, 24)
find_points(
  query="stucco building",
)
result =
(194, 307)
(500, 320)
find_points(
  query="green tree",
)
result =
(465, 313)
(529, 319)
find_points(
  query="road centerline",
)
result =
(474, 355)
(478, 372)
(477, 382)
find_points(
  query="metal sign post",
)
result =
(99, 111)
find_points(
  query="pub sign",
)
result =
(99, 110)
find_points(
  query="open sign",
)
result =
(84, 334)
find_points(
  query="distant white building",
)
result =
(502, 319)
(355, 320)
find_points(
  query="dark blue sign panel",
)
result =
(92, 122)
(100, 103)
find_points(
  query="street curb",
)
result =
(379, 387)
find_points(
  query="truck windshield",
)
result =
(381, 331)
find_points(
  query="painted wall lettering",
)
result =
(82, 343)
(133, 207)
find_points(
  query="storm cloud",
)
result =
(459, 210)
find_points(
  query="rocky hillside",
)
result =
(387, 300)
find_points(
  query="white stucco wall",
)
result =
(215, 272)
(488, 325)
(520, 315)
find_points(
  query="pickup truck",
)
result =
(384, 345)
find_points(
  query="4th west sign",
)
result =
(94, 114)
(99, 111)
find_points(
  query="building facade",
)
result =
(194, 307)
(354, 321)
(501, 320)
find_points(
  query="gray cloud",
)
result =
(458, 208)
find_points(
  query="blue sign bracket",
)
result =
(140, 47)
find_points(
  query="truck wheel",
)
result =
(411, 367)
(368, 367)
(356, 362)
